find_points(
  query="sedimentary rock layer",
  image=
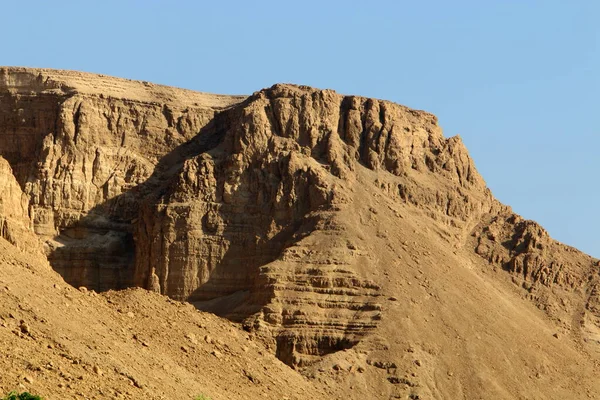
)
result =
(80, 145)
(254, 208)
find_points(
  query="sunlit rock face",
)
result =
(277, 210)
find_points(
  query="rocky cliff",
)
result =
(15, 224)
(294, 210)
(280, 173)
(78, 144)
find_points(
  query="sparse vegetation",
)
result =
(21, 396)
(202, 397)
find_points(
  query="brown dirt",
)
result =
(62, 342)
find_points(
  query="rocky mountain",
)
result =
(346, 235)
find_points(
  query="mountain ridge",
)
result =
(323, 224)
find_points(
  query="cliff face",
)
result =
(299, 212)
(15, 224)
(78, 144)
(282, 169)
(286, 155)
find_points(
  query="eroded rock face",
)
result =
(557, 278)
(80, 147)
(252, 208)
(242, 217)
(15, 225)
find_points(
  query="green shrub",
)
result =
(22, 396)
(202, 397)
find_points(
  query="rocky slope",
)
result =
(350, 236)
(64, 343)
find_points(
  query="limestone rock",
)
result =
(15, 224)
(294, 210)
(80, 145)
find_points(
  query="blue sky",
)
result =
(518, 80)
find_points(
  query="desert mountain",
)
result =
(345, 236)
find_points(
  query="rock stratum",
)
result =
(344, 234)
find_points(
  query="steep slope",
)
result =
(285, 167)
(452, 325)
(360, 245)
(61, 342)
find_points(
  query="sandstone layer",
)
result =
(347, 233)
(78, 144)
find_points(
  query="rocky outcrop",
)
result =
(235, 221)
(15, 225)
(78, 145)
(559, 279)
(249, 207)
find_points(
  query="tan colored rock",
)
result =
(15, 224)
(78, 144)
(338, 229)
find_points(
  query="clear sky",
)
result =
(519, 80)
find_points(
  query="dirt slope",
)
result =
(62, 343)
(344, 236)
(452, 327)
